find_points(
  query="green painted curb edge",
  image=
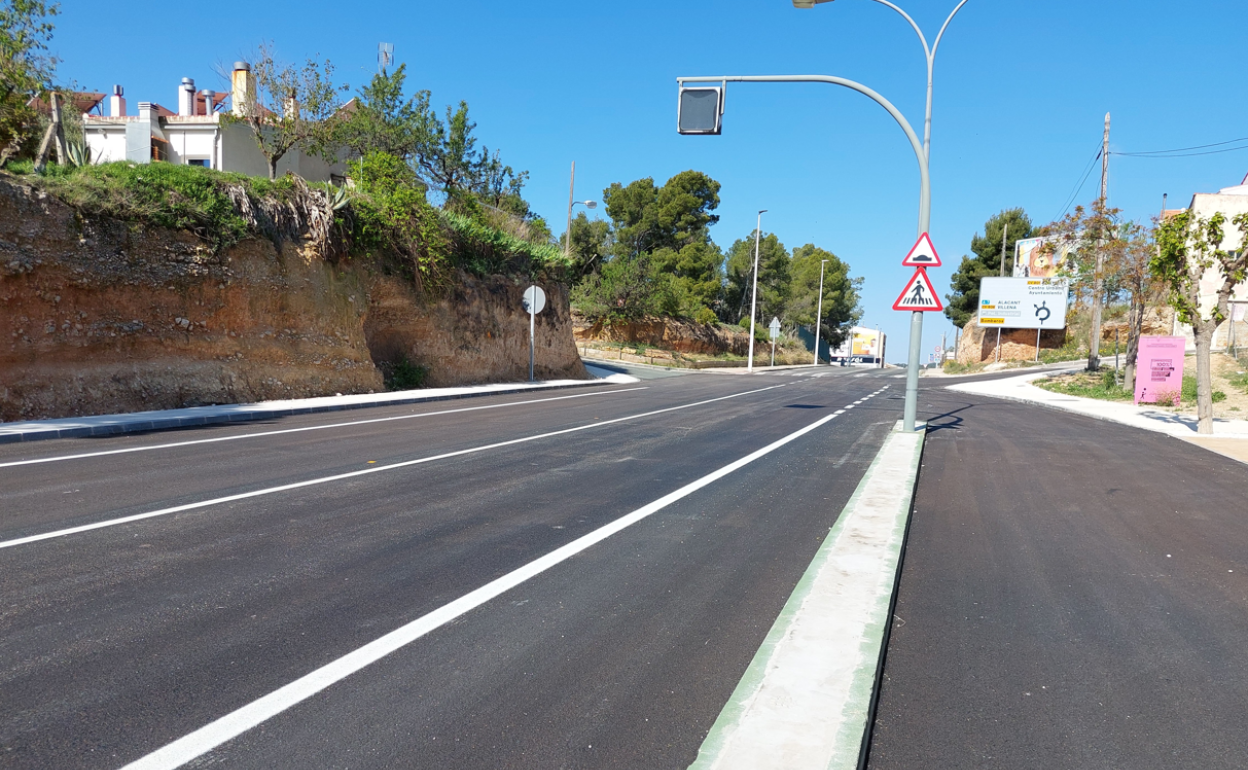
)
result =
(854, 733)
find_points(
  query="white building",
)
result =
(1231, 201)
(196, 134)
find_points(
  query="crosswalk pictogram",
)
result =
(918, 294)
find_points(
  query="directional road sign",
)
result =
(918, 294)
(775, 328)
(923, 254)
(1023, 303)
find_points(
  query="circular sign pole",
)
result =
(534, 301)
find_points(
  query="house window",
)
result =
(201, 162)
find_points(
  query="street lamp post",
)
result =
(819, 312)
(758, 236)
(698, 125)
(567, 236)
(925, 201)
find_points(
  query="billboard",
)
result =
(862, 343)
(1040, 258)
(1022, 303)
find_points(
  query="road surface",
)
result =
(176, 589)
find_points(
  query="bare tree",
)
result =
(293, 108)
(1189, 246)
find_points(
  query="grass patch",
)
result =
(1102, 386)
(953, 367)
(1188, 394)
(161, 194)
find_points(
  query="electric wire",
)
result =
(1078, 188)
(1188, 149)
(1179, 155)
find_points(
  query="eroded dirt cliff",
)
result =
(101, 316)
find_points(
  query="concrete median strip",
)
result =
(807, 698)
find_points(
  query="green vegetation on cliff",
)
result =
(387, 214)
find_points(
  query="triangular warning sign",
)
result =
(923, 254)
(918, 294)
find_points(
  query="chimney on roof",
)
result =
(210, 98)
(243, 95)
(186, 97)
(117, 103)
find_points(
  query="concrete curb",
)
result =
(191, 417)
(1177, 426)
(808, 697)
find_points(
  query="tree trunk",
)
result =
(1135, 327)
(1203, 332)
(273, 169)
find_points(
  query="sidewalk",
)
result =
(1230, 437)
(110, 424)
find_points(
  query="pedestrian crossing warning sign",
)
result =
(918, 294)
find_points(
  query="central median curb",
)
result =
(808, 696)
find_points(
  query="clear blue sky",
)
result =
(1021, 90)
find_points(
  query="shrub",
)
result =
(706, 316)
(405, 375)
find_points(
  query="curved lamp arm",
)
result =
(919, 153)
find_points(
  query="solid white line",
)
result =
(231, 725)
(353, 474)
(310, 427)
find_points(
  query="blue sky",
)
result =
(1021, 90)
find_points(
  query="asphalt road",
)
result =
(1074, 595)
(303, 540)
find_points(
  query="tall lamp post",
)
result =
(925, 200)
(567, 236)
(758, 235)
(819, 312)
(705, 106)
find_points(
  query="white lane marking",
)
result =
(353, 474)
(231, 725)
(310, 427)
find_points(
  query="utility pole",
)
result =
(1005, 237)
(1005, 234)
(819, 312)
(758, 235)
(1094, 345)
(567, 238)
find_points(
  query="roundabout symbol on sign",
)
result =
(1043, 312)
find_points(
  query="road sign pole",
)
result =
(532, 326)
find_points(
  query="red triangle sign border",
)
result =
(922, 247)
(906, 302)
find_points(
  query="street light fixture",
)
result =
(567, 236)
(819, 312)
(758, 236)
(921, 151)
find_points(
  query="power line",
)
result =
(1186, 149)
(1149, 156)
(1078, 188)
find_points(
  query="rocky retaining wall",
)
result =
(668, 334)
(101, 316)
